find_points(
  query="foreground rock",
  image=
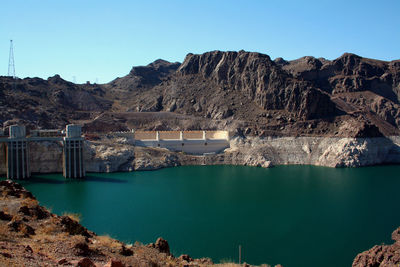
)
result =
(32, 236)
(381, 255)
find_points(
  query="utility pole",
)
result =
(240, 254)
(11, 65)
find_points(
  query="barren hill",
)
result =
(245, 92)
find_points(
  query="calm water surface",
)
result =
(293, 215)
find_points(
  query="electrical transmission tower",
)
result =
(11, 64)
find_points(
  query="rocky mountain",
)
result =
(49, 103)
(245, 92)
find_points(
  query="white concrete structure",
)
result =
(73, 131)
(192, 142)
(17, 131)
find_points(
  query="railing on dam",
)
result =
(179, 135)
(193, 142)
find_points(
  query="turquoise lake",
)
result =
(292, 215)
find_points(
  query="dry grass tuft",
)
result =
(107, 241)
(73, 216)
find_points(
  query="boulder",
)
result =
(85, 262)
(5, 216)
(114, 263)
(185, 257)
(73, 227)
(162, 245)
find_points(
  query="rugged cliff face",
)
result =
(262, 81)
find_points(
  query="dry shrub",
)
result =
(29, 202)
(8, 262)
(50, 229)
(228, 265)
(4, 232)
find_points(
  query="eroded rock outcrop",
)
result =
(330, 152)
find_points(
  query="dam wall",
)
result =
(192, 142)
(46, 157)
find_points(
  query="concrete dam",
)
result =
(64, 150)
(191, 142)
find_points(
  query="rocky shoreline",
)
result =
(119, 154)
(30, 235)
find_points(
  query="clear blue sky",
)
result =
(104, 39)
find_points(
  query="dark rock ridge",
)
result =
(144, 76)
(244, 92)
